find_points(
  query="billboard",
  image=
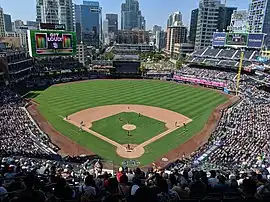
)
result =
(255, 40)
(51, 43)
(52, 26)
(199, 81)
(236, 39)
(219, 38)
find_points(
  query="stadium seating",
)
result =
(198, 60)
(228, 63)
(226, 53)
(211, 52)
(211, 62)
(233, 165)
(199, 52)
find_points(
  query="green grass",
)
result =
(196, 103)
(146, 128)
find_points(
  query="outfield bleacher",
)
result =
(222, 57)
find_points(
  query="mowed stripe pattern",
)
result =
(58, 101)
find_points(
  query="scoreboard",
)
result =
(237, 39)
(51, 43)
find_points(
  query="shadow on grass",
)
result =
(32, 95)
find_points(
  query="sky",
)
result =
(154, 11)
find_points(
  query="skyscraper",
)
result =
(131, 16)
(8, 23)
(18, 24)
(160, 40)
(225, 16)
(175, 19)
(88, 23)
(259, 18)
(156, 29)
(55, 11)
(175, 34)
(207, 22)
(112, 22)
(2, 24)
(193, 25)
(239, 21)
(32, 23)
(212, 16)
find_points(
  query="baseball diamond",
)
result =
(127, 119)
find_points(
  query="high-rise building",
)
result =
(32, 23)
(212, 16)
(156, 29)
(175, 19)
(55, 11)
(225, 16)
(2, 23)
(207, 22)
(193, 25)
(132, 37)
(131, 16)
(88, 23)
(239, 21)
(160, 40)
(112, 23)
(259, 18)
(175, 34)
(18, 23)
(8, 23)
(105, 25)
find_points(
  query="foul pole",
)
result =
(239, 72)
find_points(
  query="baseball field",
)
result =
(127, 119)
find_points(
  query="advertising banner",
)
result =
(255, 40)
(200, 81)
(219, 39)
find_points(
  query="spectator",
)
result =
(88, 190)
(63, 191)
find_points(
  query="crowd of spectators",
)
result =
(233, 165)
(38, 180)
(228, 78)
(242, 136)
(18, 133)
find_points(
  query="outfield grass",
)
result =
(146, 128)
(58, 101)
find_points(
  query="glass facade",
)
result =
(88, 22)
(131, 16)
(8, 23)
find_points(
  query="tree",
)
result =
(142, 68)
(179, 63)
(108, 56)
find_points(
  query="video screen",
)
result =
(236, 39)
(50, 43)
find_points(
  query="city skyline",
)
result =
(149, 10)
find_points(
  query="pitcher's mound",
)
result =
(129, 127)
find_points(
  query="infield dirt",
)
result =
(173, 121)
(69, 147)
